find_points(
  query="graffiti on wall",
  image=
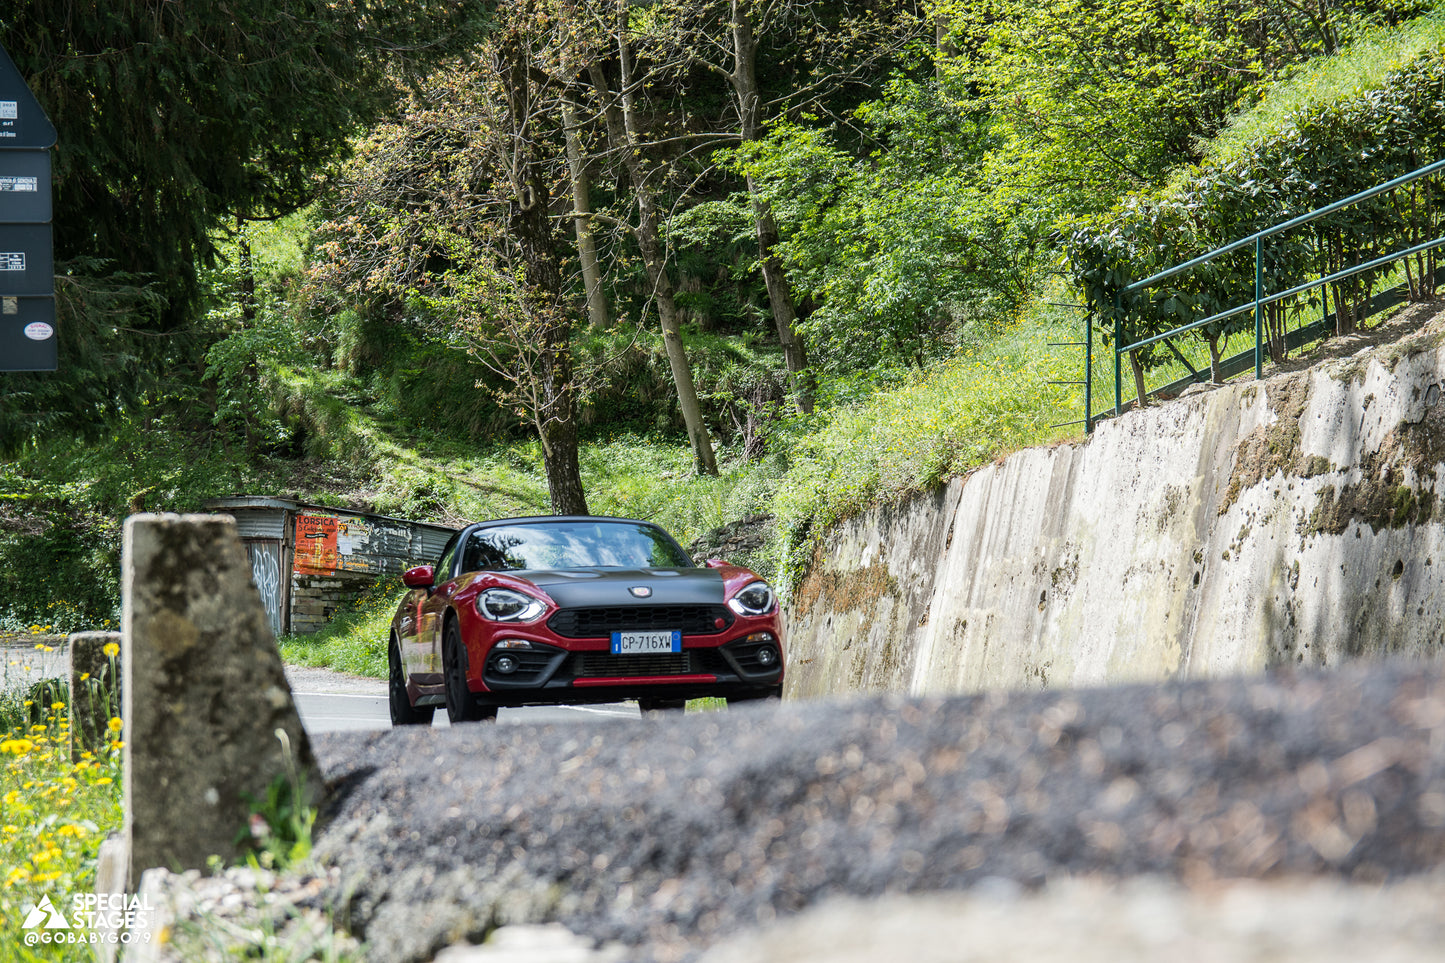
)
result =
(266, 573)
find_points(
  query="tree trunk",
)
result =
(248, 277)
(1215, 375)
(246, 264)
(1275, 324)
(582, 217)
(558, 433)
(1139, 390)
(627, 139)
(780, 297)
(530, 225)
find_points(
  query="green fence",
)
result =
(1260, 300)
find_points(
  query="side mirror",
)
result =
(714, 563)
(421, 577)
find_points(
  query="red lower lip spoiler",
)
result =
(643, 680)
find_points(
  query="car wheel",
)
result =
(774, 693)
(662, 705)
(403, 713)
(461, 704)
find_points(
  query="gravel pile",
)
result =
(669, 834)
(198, 919)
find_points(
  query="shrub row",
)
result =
(1322, 152)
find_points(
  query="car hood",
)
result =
(582, 588)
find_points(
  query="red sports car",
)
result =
(565, 610)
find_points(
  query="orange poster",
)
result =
(316, 544)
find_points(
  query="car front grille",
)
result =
(606, 665)
(602, 621)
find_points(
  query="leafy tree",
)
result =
(778, 59)
(174, 121)
(1319, 153)
(445, 218)
(1095, 98)
(896, 247)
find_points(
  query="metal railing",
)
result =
(1258, 303)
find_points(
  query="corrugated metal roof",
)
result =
(248, 504)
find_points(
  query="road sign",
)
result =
(27, 265)
(28, 337)
(27, 260)
(24, 186)
(22, 122)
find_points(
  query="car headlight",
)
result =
(755, 599)
(507, 605)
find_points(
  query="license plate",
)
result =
(645, 643)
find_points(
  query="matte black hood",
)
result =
(585, 588)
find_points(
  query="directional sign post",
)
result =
(25, 186)
(28, 337)
(27, 333)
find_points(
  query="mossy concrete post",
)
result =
(209, 719)
(94, 690)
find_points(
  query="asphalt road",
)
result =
(22, 663)
(328, 701)
(352, 712)
(337, 702)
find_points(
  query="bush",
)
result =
(1323, 149)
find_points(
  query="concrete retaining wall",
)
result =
(1294, 521)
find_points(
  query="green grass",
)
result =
(991, 398)
(355, 641)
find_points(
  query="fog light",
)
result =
(505, 665)
(767, 655)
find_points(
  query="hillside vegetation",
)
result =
(638, 265)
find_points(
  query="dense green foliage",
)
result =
(176, 122)
(1323, 149)
(902, 203)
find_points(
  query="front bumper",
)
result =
(550, 675)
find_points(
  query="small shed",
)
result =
(309, 560)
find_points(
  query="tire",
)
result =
(662, 705)
(461, 704)
(403, 713)
(772, 694)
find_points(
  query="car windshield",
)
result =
(576, 544)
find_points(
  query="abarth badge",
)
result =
(640, 591)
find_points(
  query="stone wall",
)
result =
(1292, 521)
(315, 599)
